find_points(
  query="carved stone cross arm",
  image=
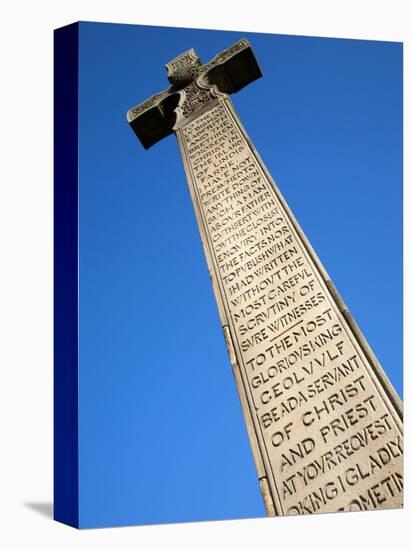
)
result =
(193, 86)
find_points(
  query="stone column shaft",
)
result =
(325, 425)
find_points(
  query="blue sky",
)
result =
(162, 437)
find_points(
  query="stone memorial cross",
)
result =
(325, 424)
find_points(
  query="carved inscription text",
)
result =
(329, 435)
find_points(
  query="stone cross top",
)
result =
(193, 86)
(324, 422)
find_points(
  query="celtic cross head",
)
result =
(193, 87)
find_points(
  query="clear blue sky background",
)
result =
(162, 437)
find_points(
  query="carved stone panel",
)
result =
(324, 423)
